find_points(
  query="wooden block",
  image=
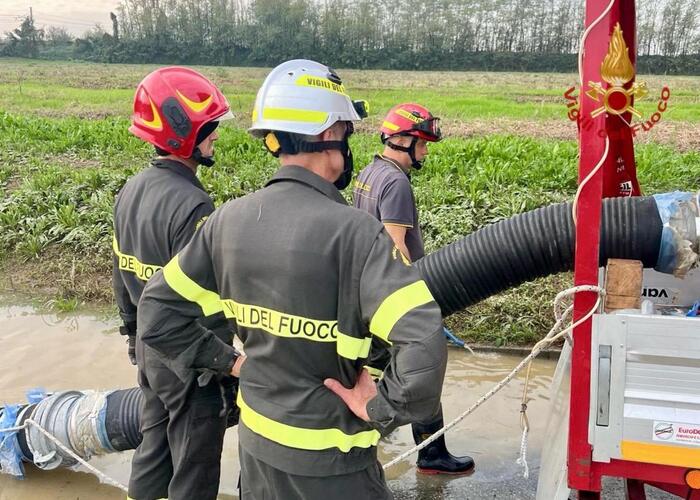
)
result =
(623, 283)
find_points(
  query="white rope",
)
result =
(581, 93)
(585, 36)
(14, 429)
(103, 477)
(551, 337)
(522, 460)
(560, 317)
(592, 173)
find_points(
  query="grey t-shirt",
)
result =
(384, 190)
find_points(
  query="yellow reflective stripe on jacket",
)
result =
(279, 323)
(182, 284)
(396, 305)
(352, 347)
(132, 264)
(294, 115)
(303, 438)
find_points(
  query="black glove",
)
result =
(129, 329)
(229, 386)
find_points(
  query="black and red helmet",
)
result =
(172, 105)
(411, 119)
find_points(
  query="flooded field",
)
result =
(85, 351)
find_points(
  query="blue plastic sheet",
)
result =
(695, 310)
(10, 456)
(35, 395)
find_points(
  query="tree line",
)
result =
(534, 35)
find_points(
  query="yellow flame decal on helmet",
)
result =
(156, 123)
(195, 106)
(320, 83)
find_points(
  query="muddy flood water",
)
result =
(85, 351)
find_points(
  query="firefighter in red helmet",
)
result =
(383, 189)
(187, 402)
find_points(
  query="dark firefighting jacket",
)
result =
(308, 281)
(155, 215)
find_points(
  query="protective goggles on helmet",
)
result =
(431, 127)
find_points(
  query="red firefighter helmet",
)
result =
(172, 105)
(411, 119)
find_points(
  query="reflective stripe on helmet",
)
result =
(155, 123)
(410, 116)
(294, 115)
(195, 106)
(390, 126)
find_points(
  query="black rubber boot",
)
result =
(434, 458)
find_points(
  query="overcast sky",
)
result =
(74, 15)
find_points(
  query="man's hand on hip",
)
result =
(357, 397)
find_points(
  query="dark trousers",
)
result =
(259, 481)
(183, 432)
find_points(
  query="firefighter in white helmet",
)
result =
(308, 281)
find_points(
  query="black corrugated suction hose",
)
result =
(122, 421)
(535, 244)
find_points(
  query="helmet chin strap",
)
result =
(411, 150)
(283, 143)
(207, 161)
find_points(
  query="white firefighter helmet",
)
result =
(302, 97)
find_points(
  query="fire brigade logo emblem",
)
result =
(663, 430)
(617, 70)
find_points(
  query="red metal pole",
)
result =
(591, 148)
(594, 130)
(606, 100)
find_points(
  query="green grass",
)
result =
(58, 178)
(65, 151)
(98, 90)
